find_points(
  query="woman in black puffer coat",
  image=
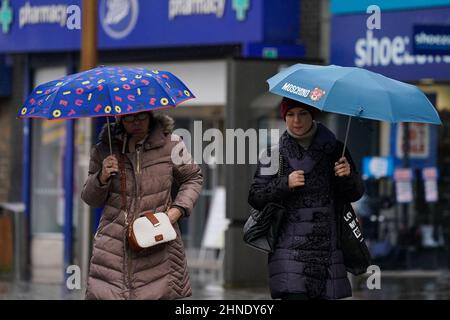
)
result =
(307, 262)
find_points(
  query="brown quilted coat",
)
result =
(159, 272)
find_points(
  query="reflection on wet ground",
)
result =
(394, 286)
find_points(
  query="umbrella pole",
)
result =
(346, 134)
(110, 144)
(109, 136)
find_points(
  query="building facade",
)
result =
(223, 50)
(405, 41)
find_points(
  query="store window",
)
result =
(48, 138)
(47, 181)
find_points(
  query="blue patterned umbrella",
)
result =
(105, 91)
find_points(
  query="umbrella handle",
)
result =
(110, 144)
(346, 135)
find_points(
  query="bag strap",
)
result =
(280, 169)
(123, 182)
(168, 202)
(152, 218)
(280, 164)
(123, 186)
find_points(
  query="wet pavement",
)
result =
(417, 285)
(408, 285)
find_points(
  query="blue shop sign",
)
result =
(432, 39)
(378, 167)
(389, 50)
(48, 25)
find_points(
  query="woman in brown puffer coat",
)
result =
(159, 272)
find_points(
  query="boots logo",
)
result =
(119, 17)
(6, 16)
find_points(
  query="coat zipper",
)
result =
(138, 151)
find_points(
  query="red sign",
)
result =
(419, 137)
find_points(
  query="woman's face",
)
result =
(298, 121)
(136, 124)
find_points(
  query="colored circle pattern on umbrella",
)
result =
(105, 91)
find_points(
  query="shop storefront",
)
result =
(408, 42)
(205, 43)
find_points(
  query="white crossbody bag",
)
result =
(151, 228)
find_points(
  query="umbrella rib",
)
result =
(52, 104)
(381, 84)
(110, 98)
(75, 77)
(328, 94)
(148, 75)
(284, 76)
(331, 89)
(51, 108)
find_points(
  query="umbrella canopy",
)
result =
(354, 92)
(105, 91)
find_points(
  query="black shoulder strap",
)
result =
(280, 165)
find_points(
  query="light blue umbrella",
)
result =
(354, 92)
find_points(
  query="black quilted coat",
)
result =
(307, 258)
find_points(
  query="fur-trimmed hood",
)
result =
(162, 126)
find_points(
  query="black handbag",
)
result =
(261, 228)
(351, 241)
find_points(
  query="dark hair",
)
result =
(287, 104)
